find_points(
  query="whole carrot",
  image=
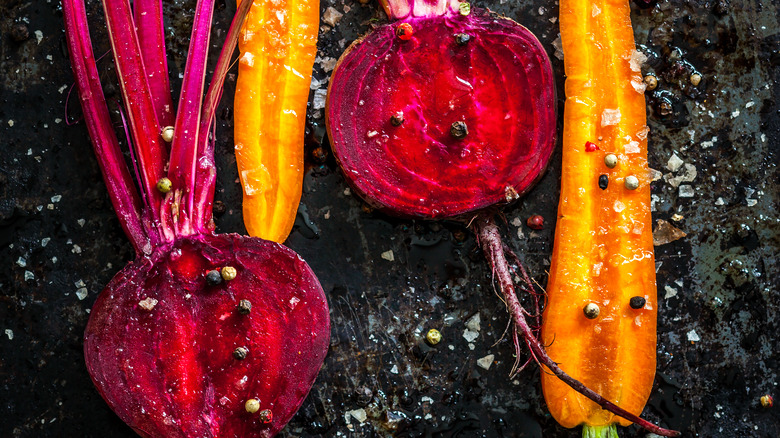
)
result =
(600, 320)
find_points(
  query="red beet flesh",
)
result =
(170, 371)
(499, 83)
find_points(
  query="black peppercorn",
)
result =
(462, 39)
(244, 307)
(459, 130)
(213, 277)
(603, 182)
(637, 302)
(240, 353)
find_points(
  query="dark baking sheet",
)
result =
(718, 287)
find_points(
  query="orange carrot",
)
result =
(600, 321)
(278, 43)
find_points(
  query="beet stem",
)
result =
(206, 176)
(148, 16)
(124, 196)
(138, 102)
(184, 150)
(492, 245)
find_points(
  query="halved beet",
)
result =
(393, 100)
(161, 340)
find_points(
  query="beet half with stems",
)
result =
(202, 335)
(448, 111)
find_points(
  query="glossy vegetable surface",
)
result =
(603, 252)
(161, 340)
(447, 112)
(393, 102)
(278, 43)
(203, 335)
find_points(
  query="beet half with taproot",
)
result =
(446, 112)
(203, 335)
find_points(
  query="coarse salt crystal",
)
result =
(642, 133)
(686, 191)
(639, 85)
(320, 98)
(147, 303)
(473, 323)
(636, 59)
(632, 147)
(469, 335)
(674, 163)
(610, 117)
(486, 361)
(248, 59)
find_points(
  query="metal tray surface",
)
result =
(718, 331)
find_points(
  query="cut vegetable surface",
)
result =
(203, 335)
(454, 119)
(603, 253)
(278, 43)
(447, 112)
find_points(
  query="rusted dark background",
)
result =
(718, 287)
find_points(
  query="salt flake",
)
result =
(636, 59)
(81, 293)
(473, 323)
(610, 117)
(674, 163)
(486, 361)
(632, 147)
(470, 336)
(147, 304)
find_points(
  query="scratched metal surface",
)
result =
(718, 329)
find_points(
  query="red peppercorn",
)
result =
(404, 31)
(590, 146)
(535, 222)
(266, 416)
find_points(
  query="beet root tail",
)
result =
(493, 247)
